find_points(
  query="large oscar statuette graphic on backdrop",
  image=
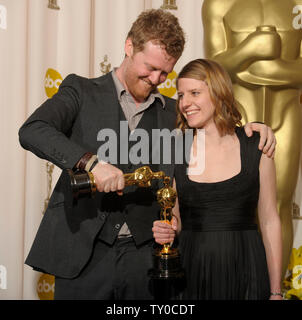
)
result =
(259, 43)
(166, 260)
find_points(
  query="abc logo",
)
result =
(168, 88)
(52, 82)
(3, 278)
(297, 278)
(297, 21)
(46, 287)
(3, 14)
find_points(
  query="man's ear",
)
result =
(128, 47)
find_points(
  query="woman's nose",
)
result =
(186, 101)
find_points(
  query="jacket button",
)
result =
(117, 226)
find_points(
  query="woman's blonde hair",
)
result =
(226, 115)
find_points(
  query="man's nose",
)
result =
(156, 78)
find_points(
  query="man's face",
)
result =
(146, 69)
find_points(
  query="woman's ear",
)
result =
(128, 47)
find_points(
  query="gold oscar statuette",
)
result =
(52, 4)
(105, 66)
(166, 260)
(169, 5)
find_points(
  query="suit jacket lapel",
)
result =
(108, 102)
(109, 107)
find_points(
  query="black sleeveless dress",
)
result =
(221, 249)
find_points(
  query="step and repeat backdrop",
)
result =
(42, 41)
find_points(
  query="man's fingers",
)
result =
(121, 182)
(120, 185)
(263, 137)
(270, 143)
(107, 187)
(271, 151)
(100, 186)
(269, 140)
(248, 129)
(108, 178)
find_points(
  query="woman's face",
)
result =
(195, 103)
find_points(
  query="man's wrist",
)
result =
(86, 162)
(91, 163)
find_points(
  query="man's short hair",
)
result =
(161, 27)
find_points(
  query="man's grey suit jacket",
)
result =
(61, 130)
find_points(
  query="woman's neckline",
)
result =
(228, 179)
